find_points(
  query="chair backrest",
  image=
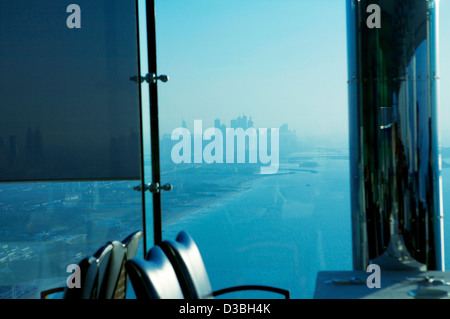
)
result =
(93, 271)
(189, 266)
(131, 243)
(117, 263)
(103, 256)
(88, 274)
(154, 277)
(117, 276)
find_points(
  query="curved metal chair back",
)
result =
(131, 243)
(103, 256)
(188, 263)
(154, 278)
(117, 280)
(103, 275)
(93, 271)
(110, 284)
(88, 272)
(191, 271)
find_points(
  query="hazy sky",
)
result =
(277, 61)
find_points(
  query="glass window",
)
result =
(68, 111)
(275, 209)
(443, 116)
(45, 227)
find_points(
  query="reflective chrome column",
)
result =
(394, 156)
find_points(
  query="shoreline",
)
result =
(197, 204)
(200, 203)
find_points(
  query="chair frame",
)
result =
(101, 289)
(171, 250)
(154, 277)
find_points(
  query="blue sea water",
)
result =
(283, 229)
(280, 231)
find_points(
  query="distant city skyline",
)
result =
(247, 142)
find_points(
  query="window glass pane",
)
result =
(276, 71)
(67, 104)
(443, 116)
(68, 108)
(45, 227)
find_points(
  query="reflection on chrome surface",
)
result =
(394, 161)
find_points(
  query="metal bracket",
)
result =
(151, 78)
(153, 187)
